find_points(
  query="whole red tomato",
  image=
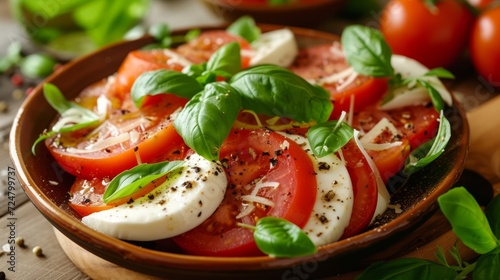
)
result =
(485, 46)
(434, 35)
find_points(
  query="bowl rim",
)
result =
(113, 249)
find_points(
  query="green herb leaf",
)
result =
(73, 117)
(327, 138)
(275, 91)
(12, 57)
(492, 212)
(37, 65)
(436, 98)
(129, 181)
(207, 118)
(163, 81)
(440, 73)
(246, 28)
(407, 269)
(488, 266)
(429, 151)
(226, 61)
(366, 51)
(159, 31)
(280, 238)
(468, 220)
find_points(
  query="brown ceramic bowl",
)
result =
(300, 13)
(417, 195)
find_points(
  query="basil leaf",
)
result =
(492, 212)
(226, 61)
(429, 151)
(327, 138)
(37, 65)
(468, 220)
(275, 91)
(440, 73)
(163, 81)
(129, 181)
(280, 238)
(246, 28)
(366, 51)
(436, 98)
(207, 118)
(407, 269)
(488, 266)
(195, 70)
(159, 31)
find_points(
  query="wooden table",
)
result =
(54, 264)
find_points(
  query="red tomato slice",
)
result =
(140, 61)
(364, 187)
(201, 49)
(249, 155)
(325, 60)
(155, 139)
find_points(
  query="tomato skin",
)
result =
(364, 187)
(484, 46)
(100, 164)
(247, 155)
(140, 61)
(434, 38)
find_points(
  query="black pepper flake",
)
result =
(323, 166)
(200, 203)
(161, 202)
(196, 169)
(278, 152)
(199, 214)
(136, 148)
(187, 185)
(130, 201)
(108, 150)
(265, 154)
(151, 196)
(323, 219)
(273, 161)
(329, 196)
(86, 201)
(176, 152)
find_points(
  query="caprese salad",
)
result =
(197, 143)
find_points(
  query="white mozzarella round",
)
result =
(180, 204)
(405, 96)
(334, 199)
(277, 47)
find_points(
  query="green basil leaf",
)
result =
(226, 61)
(159, 31)
(41, 138)
(407, 269)
(246, 28)
(440, 73)
(492, 212)
(37, 65)
(207, 118)
(280, 238)
(488, 266)
(366, 51)
(275, 91)
(327, 138)
(429, 151)
(195, 70)
(436, 98)
(129, 181)
(164, 81)
(468, 220)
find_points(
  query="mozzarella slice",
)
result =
(275, 47)
(405, 96)
(334, 200)
(183, 202)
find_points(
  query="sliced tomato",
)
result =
(140, 61)
(201, 49)
(319, 62)
(364, 187)
(151, 138)
(248, 156)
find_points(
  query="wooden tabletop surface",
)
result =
(470, 89)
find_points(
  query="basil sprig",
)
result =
(432, 149)
(73, 116)
(129, 181)
(280, 238)
(246, 28)
(369, 54)
(478, 230)
(208, 117)
(327, 138)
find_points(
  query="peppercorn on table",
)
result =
(47, 254)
